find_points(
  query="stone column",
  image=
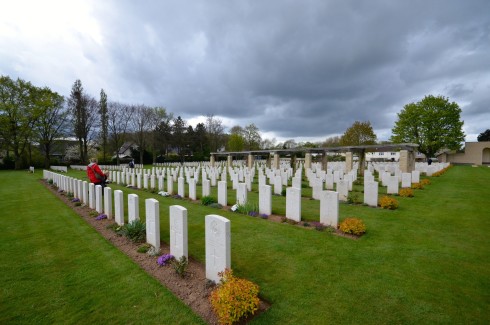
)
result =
(348, 161)
(362, 162)
(250, 161)
(324, 161)
(229, 161)
(307, 160)
(268, 162)
(212, 160)
(293, 162)
(276, 161)
(407, 161)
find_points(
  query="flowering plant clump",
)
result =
(318, 226)
(101, 216)
(75, 200)
(353, 226)
(417, 186)
(234, 298)
(162, 260)
(425, 181)
(264, 216)
(406, 192)
(389, 203)
(253, 213)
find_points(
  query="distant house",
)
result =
(124, 151)
(474, 153)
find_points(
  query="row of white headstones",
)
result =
(242, 179)
(217, 228)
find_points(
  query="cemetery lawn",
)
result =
(426, 262)
(56, 269)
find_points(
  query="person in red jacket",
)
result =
(95, 174)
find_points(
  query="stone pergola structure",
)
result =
(407, 155)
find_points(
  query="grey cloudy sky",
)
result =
(302, 70)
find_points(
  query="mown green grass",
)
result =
(427, 262)
(56, 269)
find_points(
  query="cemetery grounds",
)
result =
(426, 262)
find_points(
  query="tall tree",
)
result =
(236, 142)
(178, 136)
(52, 123)
(200, 144)
(119, 116)
(141, 127)
(83, 110)
(360, 133)
(433, 123)
(103, 120)
(251, 135)
(331, 142)
(215, 129)
(484, 136)
(18, 113)
(157, 116)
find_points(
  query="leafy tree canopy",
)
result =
(484, 136)
(360, 133)
(433, 123)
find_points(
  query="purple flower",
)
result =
(162, 260)
(264, 216)
(75, 200)
(101, 216)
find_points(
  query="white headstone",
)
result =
(206, 187)
(108, 202)
(293, 203)
(91, 196)
(371, 193)
(181, 186)
(192, 189)
(133, 208)
(329, 208)
(222, 193)
(85, 192)
(178, 231)
(153, 222)
(241, 193)
(218, 246)
(278, 185)
(406, 180)
(265, 199)
(98, 199)
(343, 189)
(119, 207)
(416, 176)
(392, 185)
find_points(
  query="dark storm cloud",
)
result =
(295, 68)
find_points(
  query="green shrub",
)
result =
(208, 200)
(283, 192)
(249, 208)
(144, 248)
(134, 231)
(353, 226)
(234, 298)
(180, 266)
(354, 198)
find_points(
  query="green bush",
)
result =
(180, 266)
(134, 231)
(248, 208)
(215, 205)
(208, 200)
